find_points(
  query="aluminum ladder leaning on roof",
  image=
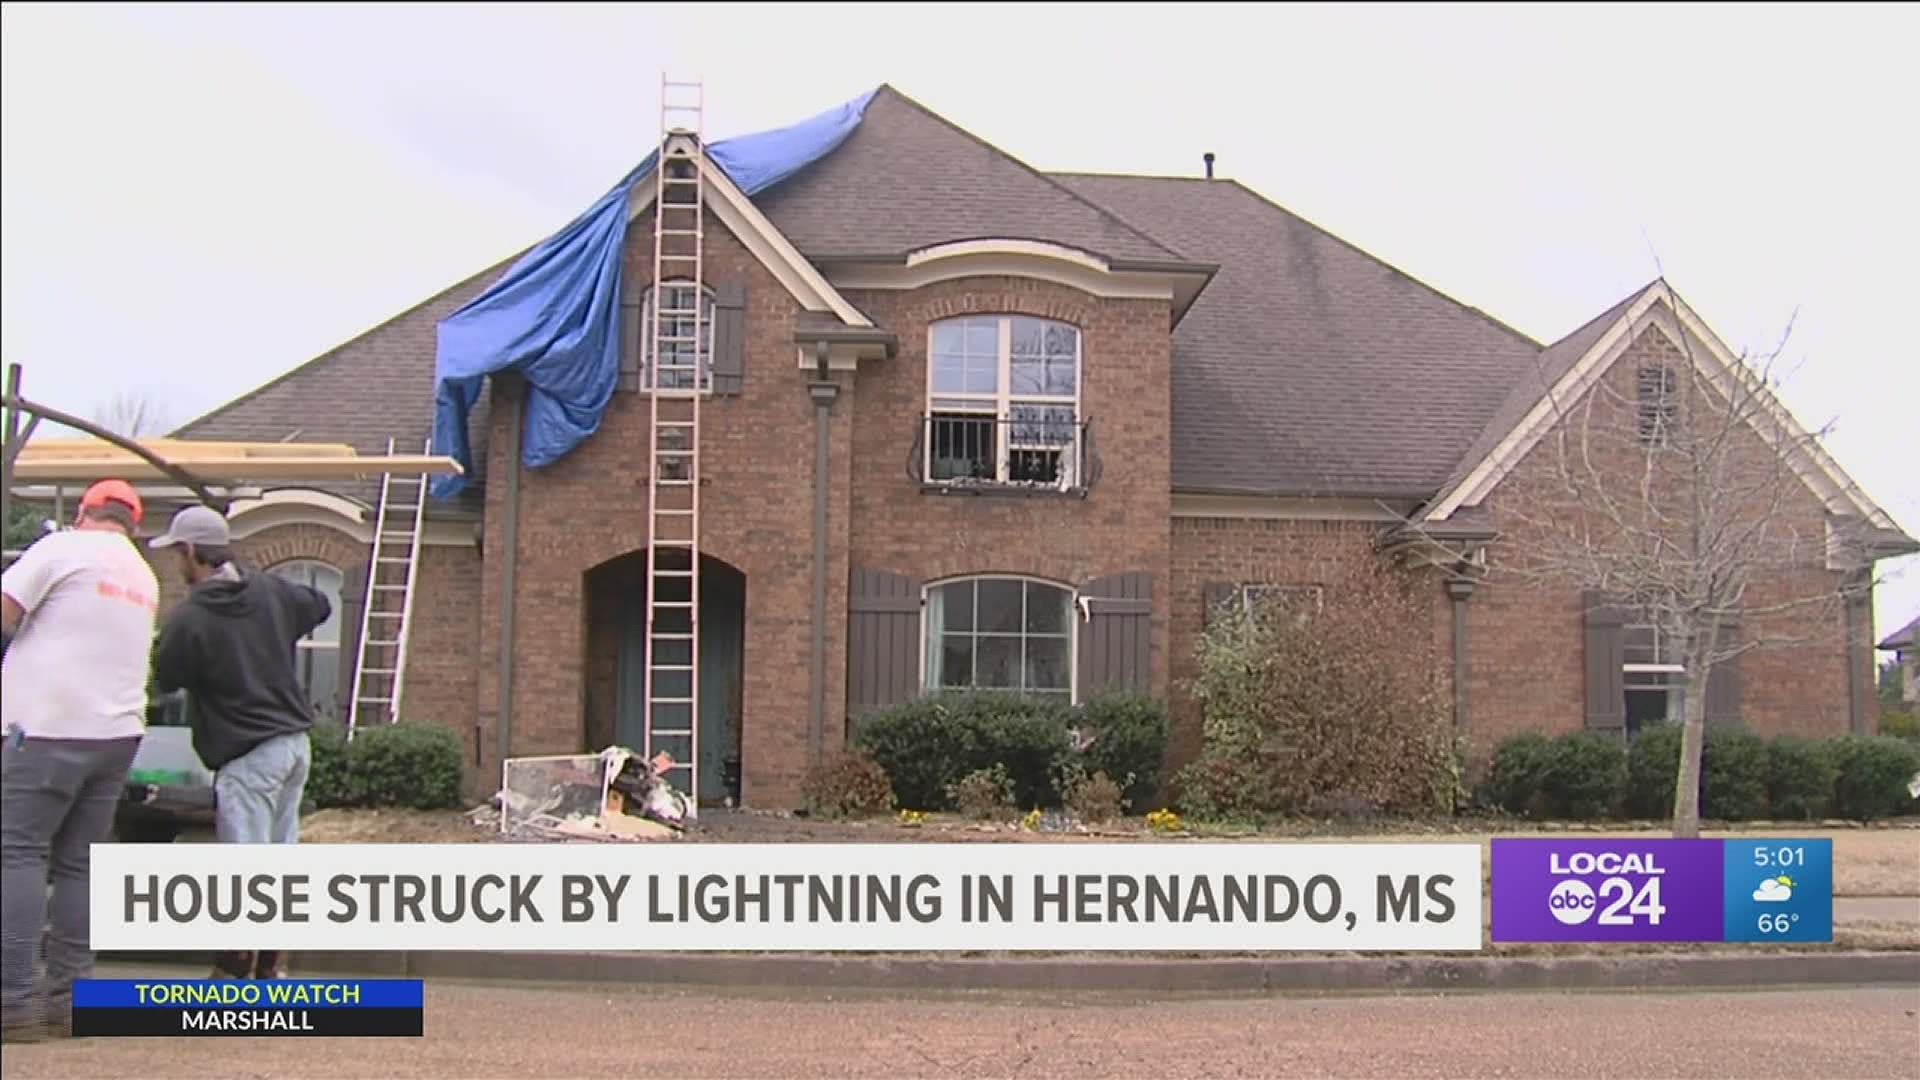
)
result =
(386, 614)
(677, 374)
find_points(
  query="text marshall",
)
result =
(245, 1020)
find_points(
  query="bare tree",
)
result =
(135, 416)
(1678, 489)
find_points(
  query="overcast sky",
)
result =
(198, 198)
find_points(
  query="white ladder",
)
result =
(677, 369)
(380, 663)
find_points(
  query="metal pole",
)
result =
(13, 433)
(823, 393)
(511, 554)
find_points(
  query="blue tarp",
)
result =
(555, 316)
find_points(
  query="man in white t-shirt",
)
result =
(79, 609)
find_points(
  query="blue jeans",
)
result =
(257, 795)
(58, 801)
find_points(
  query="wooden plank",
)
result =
(183, 449)
(230, 470)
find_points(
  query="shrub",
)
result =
(1801, 774)
(1734, 773)
(1873, 774)
(852, 785)
(1219, 787)
(983, 793)
(1517, 777)
(923, 746)
(1335, 705)
(928, 744)
(1128, 734)
(1586, 776)
(1901, 720)
(1653, 771)
(1093, 799)
(411, 765)
(327, 785)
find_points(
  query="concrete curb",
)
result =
(1282, 975)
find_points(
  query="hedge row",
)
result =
(929, 744)
(408, 765)
(1743, 776)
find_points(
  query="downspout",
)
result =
(824, 392)
(1459, 589)
(510, 553)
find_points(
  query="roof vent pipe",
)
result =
(1208, 158)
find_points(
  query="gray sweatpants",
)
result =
(57, 798)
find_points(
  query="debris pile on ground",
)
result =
(612, 795)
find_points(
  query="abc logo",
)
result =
(1571, 902)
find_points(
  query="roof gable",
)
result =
(1586, 355)
(907, 179)
(1308, 366)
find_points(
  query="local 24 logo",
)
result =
(1618, 902)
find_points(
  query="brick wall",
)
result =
(756, 515)
(1121, 526)
(1269, 551)
(1526, 665)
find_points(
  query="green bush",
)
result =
(1734, 769)
(327, 775)
(410, 765)
(1129, 738)
(1653, 771)
(1901, 720)
(1219, 787)
(852, 785)
(1873, 774)
(1586, 776)
(1801, 775)
(1517, 778)
(928, 744)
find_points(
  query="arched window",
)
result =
(1000, 633)
(680, 353)
(316, 658)
(1003, 401)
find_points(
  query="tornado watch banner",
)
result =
(281, 1007)
(844, 897)
(1778, 890)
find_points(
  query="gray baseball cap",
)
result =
(201, 526)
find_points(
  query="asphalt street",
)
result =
(583, 1030)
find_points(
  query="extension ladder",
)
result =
(678, 359)
(380, 663)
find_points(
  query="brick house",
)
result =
(1044, 417)
(1904, 644)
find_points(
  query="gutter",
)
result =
(823, 391)
(510, 562)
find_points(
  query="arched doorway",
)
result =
(616, 665)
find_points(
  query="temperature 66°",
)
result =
(1777, 924)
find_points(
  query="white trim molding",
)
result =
(1661, 310)
(323, 509)
(774, 251)
(1291, 508)
(1038, 260)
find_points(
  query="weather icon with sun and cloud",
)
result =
(1774, 890)
(1778, 889)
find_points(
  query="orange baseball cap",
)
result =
(116, 491)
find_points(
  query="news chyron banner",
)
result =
(790, 897)
(267, 1007)
(1612, 890)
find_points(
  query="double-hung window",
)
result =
(1003, 401)
(1654, 676)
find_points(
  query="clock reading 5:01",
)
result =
(1780, 856)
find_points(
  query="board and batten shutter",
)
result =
(633, 292)
(353, 606)
(883, 640)
(729, 337)
(1213, 597)
(1723, 681)
(1606, 640)
(1116, 634)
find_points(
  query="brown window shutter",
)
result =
(353, 605)
(632, 326)
(1215, 595)
(883, 640)
(1723, 681)
(1116, 634)
(1605, 652)
(729, 337)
